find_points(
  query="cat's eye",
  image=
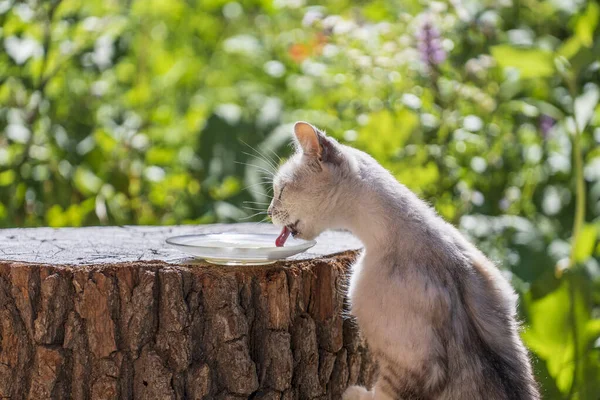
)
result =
(280, 193)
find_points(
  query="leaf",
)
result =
(393, 131)
(86, 181)
(585, 243)
(548, 333)
(160, 156)
(570, 47)
(7, 177)
(550, 329)
(586, 24)
(593, 329)
(585, 105)
(546, 108)
(531, 63)
(375, 11)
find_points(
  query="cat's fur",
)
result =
(437, 314)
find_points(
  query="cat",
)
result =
(437, 315)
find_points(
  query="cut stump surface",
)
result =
(113, 312)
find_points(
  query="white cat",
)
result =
(438, 316)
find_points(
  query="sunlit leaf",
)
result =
(585, 105)
(531, 63)
(550, 329)
(584, 247)
(547, 108)
(392, 132)
(570, 47)
(586, 24)
(86, 181)
(160, 156)
(229, 187)
(550, 338)
(593, 329)
(7, 177)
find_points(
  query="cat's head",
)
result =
(307, 189)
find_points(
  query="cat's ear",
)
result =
(308, 139)
(314, 143)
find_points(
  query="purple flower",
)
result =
(546, 124)
(429, 45)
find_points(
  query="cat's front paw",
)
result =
(356, 393)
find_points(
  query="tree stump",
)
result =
(112, 312)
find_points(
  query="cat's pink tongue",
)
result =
(285, 233)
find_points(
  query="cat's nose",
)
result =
(270, 211)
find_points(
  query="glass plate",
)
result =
(239, 248)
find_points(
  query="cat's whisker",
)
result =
(269, 177)
(253, 209)
(267, 162)
(276, 155)
(263, 184)
(266, 219)
(271, 173)
(253, 215)
(258, 186)
(260, 154)
(257, 167)
(260, 196)
(267, 193)
(265, 180)
(256, 202)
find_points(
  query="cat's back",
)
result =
(444, 293)
(427, 295)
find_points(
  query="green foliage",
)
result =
(584, 246)
(531, 63)
(154, 113)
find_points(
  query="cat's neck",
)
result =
(385, 215)
(371, 229)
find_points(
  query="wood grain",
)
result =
(113, 313)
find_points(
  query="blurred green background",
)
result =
(153, 112)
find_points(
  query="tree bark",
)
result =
(82, 318)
